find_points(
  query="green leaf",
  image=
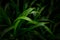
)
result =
(24, 18)
(38, 24)
(5, 31)
(17, 21)
(25, 6)
(32, 3)
(5, 16)
(48, 29)
(39, 12)
(26, 12)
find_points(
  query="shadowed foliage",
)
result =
(29, 20)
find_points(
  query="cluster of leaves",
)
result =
(27, 23)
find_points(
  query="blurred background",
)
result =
(39, 11)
